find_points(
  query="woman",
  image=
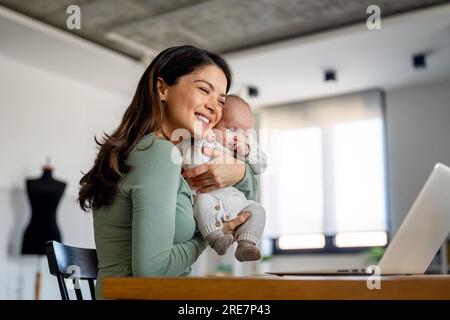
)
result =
(142, 205)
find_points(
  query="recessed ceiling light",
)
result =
(330, 75)
(252, 91)
(419, 61)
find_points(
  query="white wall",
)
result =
(45, 114)
(418, 136)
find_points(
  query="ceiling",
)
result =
(142, 28)
(363, 59)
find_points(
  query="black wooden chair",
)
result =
(71, 262)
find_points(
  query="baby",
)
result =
(213, 208)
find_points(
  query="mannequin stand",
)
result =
(37, 280)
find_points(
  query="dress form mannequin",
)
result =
(44, 195)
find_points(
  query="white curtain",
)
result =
(305, 167)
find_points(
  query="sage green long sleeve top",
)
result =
(149, 229)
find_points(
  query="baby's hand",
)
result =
(210, 136)
(240, 145)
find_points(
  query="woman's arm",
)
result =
(249, 185)
(154, 199)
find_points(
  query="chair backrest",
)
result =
(72, 262)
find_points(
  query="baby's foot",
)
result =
(219, 241)
(247, 251)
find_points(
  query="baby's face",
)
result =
(236, 117)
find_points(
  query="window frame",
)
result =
(330, 247)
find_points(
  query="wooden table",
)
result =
(277, 288)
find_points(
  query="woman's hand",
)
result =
(221, 171)
(232, 225)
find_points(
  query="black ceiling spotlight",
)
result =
(419, 61)
(252, 91)
(330, 75)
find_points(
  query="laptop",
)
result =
(423, 231)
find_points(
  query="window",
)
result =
(325, 188)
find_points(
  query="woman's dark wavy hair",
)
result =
(144, 115)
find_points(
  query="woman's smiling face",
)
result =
(195, 100)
